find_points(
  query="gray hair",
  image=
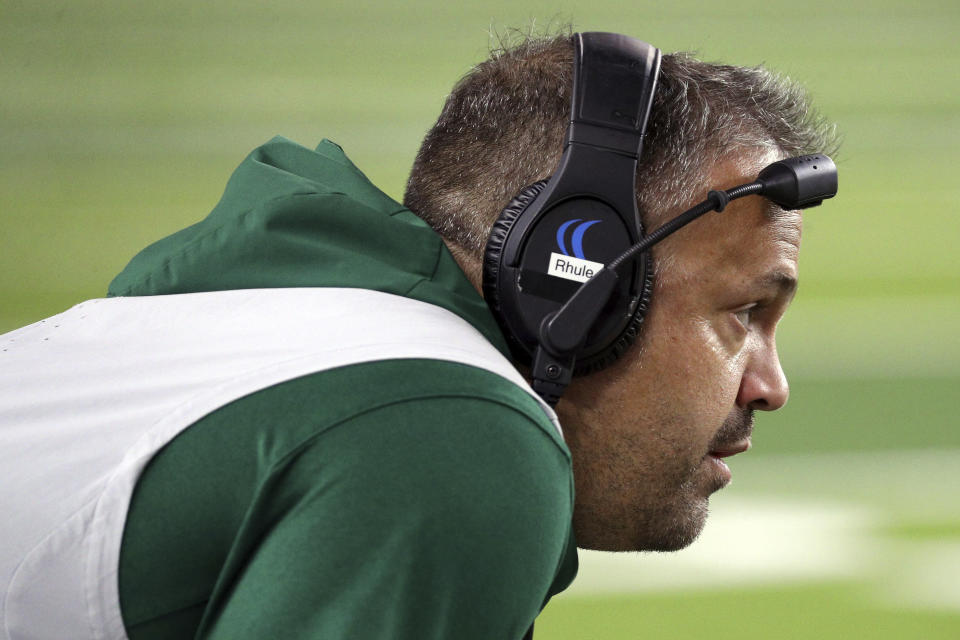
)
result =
(502, 129)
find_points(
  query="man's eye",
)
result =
(743, 315)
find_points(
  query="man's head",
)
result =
(647, 433)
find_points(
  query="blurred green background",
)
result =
(120, 122)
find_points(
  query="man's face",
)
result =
(648, 434)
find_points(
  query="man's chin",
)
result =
(677, 525)
(665, 530)
(680, 534)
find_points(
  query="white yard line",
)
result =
(807, 519)
(747, 542)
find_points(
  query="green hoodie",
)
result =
(293, 512)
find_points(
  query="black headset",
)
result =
(582, 224)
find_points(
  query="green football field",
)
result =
(120, 122)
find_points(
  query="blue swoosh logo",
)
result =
(577, 239)
(560, 233)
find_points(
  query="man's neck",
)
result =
(469, 263)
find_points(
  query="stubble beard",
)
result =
(682, 520)
(674, 527)
(671, 505)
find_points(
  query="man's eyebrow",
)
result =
(784, 283)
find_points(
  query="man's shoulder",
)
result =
(429, 459)
(302, 410)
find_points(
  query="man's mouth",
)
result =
(733, 438)
(732, 449)
(716, 455)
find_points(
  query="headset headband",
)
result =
(613, 81)
(586, 214)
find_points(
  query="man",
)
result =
(647, 434)
(296, 418)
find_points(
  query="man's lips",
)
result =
(732, 449)
(732, 438)
(725, 451)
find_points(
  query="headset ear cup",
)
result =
(491, 272)
(491, 255)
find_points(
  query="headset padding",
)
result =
(491, 257)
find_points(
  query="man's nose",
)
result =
(763, 386)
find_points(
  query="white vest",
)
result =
(89, 396)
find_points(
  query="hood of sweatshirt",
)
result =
(295, 217)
